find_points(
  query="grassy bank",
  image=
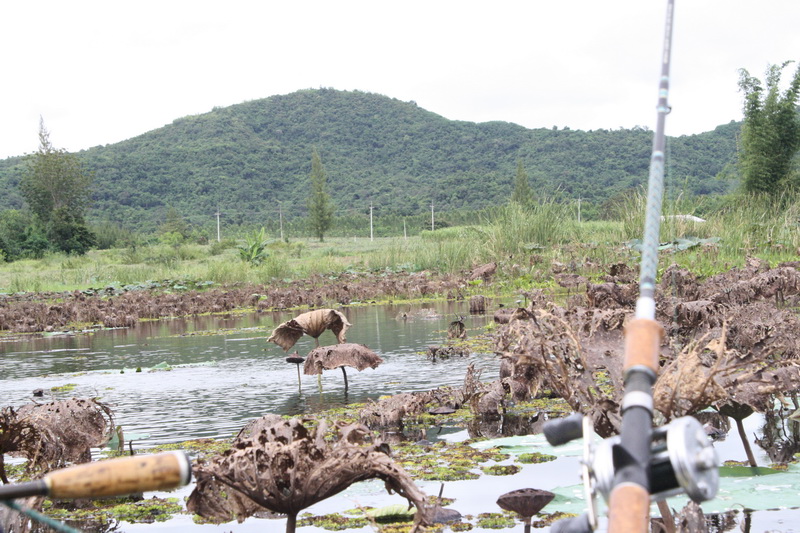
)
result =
(526, 243)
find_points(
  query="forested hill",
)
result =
(252, 159)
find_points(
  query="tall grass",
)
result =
(515, 229)
(759, 223)
(526, 241)
(631, 212)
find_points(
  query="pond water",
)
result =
(224, 373)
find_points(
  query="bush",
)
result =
(254, 248)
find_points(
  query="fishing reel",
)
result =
(682, 460)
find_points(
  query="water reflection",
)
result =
(780, 435)
(505, 426)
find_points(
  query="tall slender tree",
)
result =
(57, 190)
(320, 206)
(523, 193)
(771, 131)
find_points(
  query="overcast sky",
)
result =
(99, 72)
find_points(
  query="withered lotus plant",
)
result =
(286, 467)
(313, 323)
(349, 354)
(58, 433)
(15, 435)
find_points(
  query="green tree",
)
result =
(320, 207)
(771, 131)
(522, 194)
(57, 191)
(174, 231)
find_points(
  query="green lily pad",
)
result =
(392, 513)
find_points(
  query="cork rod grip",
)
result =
(117, 477)
(629, 509)
(642, 342)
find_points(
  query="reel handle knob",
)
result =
(564, 430)
(576, 524)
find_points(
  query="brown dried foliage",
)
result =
(63, 432)
(34, 312)
(286, 467)
(312, 323)
(15, 436)
(349, 354)
(729, 338)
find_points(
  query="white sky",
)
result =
(102, 71)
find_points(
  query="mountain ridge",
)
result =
(252, 160)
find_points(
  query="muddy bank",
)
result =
(111, 307)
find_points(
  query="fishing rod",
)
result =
(642, 463)
(114, 477)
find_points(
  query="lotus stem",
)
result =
(666, 516)
(750, 458)
(344, 373)
(291, 522)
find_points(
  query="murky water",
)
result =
(224, 373)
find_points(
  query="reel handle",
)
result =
(576, 524)
(563, 430)
(115, 477)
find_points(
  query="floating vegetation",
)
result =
(495, 520)
(64, 388)
(128, 509)
(535, 458)
(546, 520)
(406, 528)
(334, 522)
(445, 461)
(201, 447)
(544, 403)
(501, 470)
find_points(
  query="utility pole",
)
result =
(280, 218)
(405, 235)
(218, 213)
(432, 219)
(579, 209)
(370, 222)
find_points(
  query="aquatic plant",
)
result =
(525, 503)
(16, 435)
(501, 470)
(63, 388)
(444, 461)
(313, 323)
(286, 467)
(535, 458)
(334, 522)
(55, 434)
(254, 248)
(494, 521)
(134, 510)
(341, 355)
